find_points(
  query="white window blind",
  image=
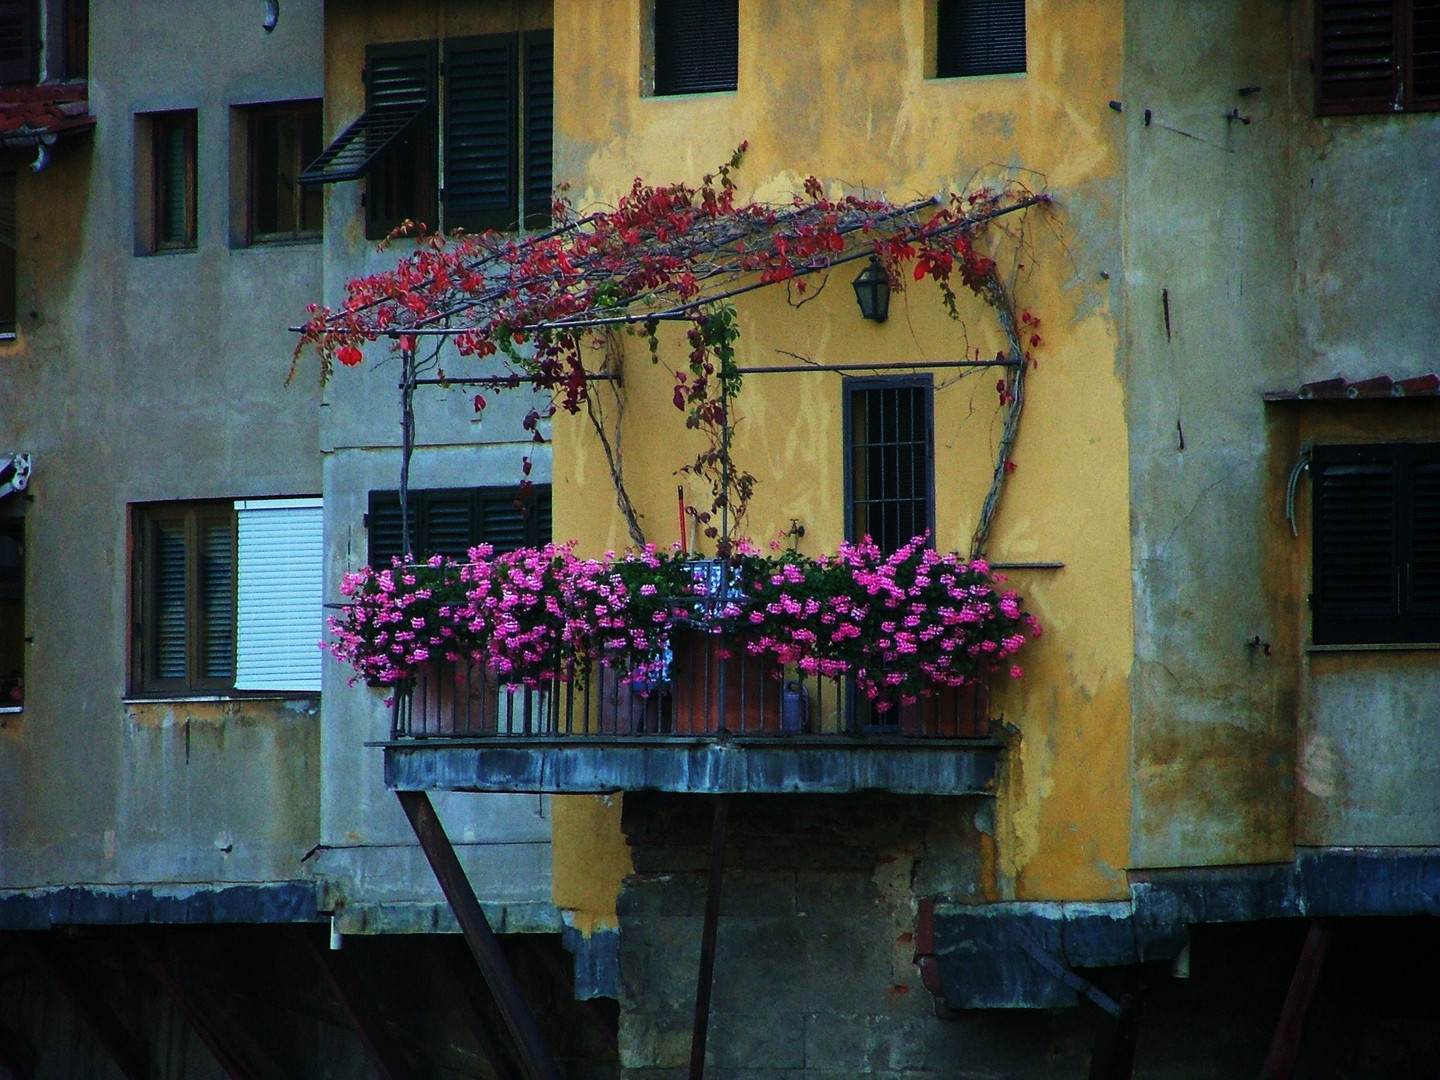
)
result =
(279, 595)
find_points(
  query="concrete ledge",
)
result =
(118, 905)
(574, 766)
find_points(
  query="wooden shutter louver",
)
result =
(481, 140)
(399, 85)
(167, 643)
(1425, 53)
(979, 37)
(1377, 544)
(1356, 57)
(447, 523)
(697, 46)
(18, 45)
(450, 521)
(1425, 540)
(215, 578)
(539, 125)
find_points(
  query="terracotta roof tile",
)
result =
(1340, 388)
(28, 112)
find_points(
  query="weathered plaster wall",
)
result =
(371, 869)
(848, 102)
(1260, 256)
(142, 378)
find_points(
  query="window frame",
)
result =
(853, 386)
(1347, 516)
(306, 112)
(1393, 92)
(679, 28)
(160, 126)
(950, 59)
(383, 510)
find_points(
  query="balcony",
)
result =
(719, 721)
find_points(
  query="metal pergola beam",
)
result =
(535, 1056)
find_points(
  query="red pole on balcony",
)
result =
(534, 1055)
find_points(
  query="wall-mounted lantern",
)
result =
(872, 291)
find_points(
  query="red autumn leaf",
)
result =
(349, 355)
(480, 402)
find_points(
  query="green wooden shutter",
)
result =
(979, 37)
(399, 87)
(697, 46)
(481, 136)
(538, 48)
(447, 523)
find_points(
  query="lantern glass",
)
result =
(872, 291)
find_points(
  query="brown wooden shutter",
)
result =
(1356, 55)
(481, 132)
(18, 52)
(1424, 54)
(697, 46)
(979, 37)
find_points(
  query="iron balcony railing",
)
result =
(710, 687)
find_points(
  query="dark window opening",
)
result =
(282, 141)
(889, 460)
(697, 46)
(1376, 544)
(12, 613)
(173, 136)
(1377, 56)
(19, 41)
(186, 589)
(450, 521)
(979, 37)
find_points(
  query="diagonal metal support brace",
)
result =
(534, 1055)
(705, 981)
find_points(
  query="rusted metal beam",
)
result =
(484, 1024)
(125, 1050)
(705, 981)
(360, 1009)
(534, 1055)
(233, 1047)
(1285, 1044)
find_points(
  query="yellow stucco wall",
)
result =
(838, 90)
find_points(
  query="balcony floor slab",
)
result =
(599, 765)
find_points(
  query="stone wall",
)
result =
(815, 969)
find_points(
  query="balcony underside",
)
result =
(580, 765)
